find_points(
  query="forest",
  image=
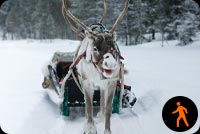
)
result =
(42, 19)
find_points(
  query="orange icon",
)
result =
(182, 111)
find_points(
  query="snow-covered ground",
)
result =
(155, 73)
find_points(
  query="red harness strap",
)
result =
(125, 86)
(79, 58)
(121, 58)
(66, 66)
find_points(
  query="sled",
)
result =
(73, 96)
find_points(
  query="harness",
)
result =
(98, 28)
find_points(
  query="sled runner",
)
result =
(73, 96)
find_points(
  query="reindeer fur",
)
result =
(91, 79)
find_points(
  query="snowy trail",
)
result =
(156, 74)
(46, 113)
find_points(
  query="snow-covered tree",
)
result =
(43, 19)
(51, 27)
(151, 16)
(135, 22)
(188, 23)
(4, 11)
(11, 22)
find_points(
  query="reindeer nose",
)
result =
(106, 64)
(109, 61)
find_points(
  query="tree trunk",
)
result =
(153, 34)
(12, 36)
(162, 39)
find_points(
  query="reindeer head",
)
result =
(101, 42)
(104, 51)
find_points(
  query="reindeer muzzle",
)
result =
(109, 65)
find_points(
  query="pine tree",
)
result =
(43, 19)
(150, 17)
(135, 22)
(51, 27)
(188, 22)
(11, 22)
(4, 11)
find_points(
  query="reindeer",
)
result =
(97, 64)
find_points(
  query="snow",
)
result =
(155, 73)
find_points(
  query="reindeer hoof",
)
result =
(90, 128)
(107, 132)
(90, 133)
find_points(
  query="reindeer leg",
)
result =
(100, 114)
(108, 112)
(89, 127)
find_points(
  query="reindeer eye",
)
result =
(95, 49)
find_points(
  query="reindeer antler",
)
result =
(77, 21)
(104, 11)
(70, 24)
(120, 17)
(68, 12)
(65, 10)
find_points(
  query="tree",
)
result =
(151, 15)
(4, 11)
(43, 19)
(188, 23)
(11, 23)
(51, 27)
(135, 22)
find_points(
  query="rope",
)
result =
(64, 81)
(77, 83)
(74, 63)
(122, 84)
(70, 72)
